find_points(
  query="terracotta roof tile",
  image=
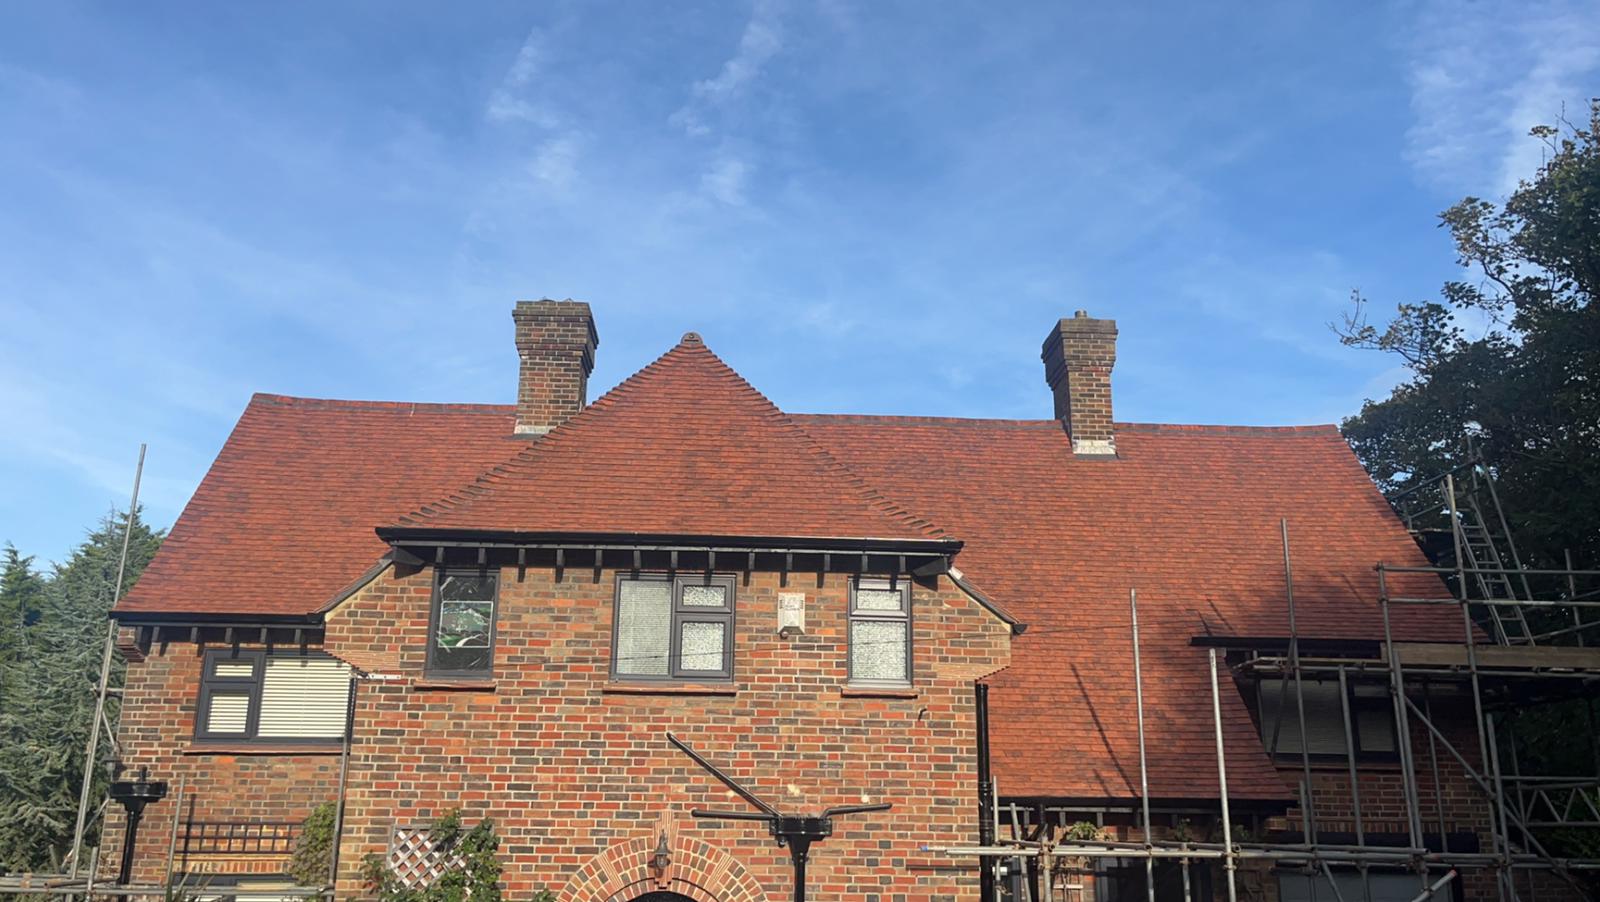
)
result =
(685, 446)
(1188, 515)
(284, 518)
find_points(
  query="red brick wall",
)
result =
(576, 773)
(217, 784)
(555, 343)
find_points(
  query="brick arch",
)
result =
(699, 871)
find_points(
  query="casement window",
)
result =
(461, 627)
(278, 697)
(1371, 718)
(678, 628)
(880, 632)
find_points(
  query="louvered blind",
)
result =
(227, 713)
(1324, 717)
(303, 698)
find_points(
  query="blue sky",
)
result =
(864, 206)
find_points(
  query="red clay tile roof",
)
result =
(1188, 515)
(683, 447)
(284, 519)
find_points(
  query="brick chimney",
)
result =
(556, 342)
(1078, 356)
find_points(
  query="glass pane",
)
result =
(235, 669)
(644, 627)
(467, 587)
(1376, 728)
(700, 646)
(705, 596)
(879, 600)
(227, 713)
(878, 650)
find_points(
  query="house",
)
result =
(406, 609)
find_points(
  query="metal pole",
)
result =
(1572, 593)
(1222, 781)
(1144, 777)
(91, 748)
(1503, 841)
(1397, 688)
(1437, 885)
(1355, 789)
(1433, 764)
(986, 832)
(344, 776)
(1308, 808)
(172, 837)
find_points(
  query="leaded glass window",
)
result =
(880, 632)
(461, 637)
(673, 628)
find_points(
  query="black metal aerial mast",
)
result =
(797, 832)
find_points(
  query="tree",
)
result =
(52, 632)
(1526, 391)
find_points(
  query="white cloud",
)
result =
(761, 40)
(556, 161)
(725, 180)
(1481, 76)
(509, 101)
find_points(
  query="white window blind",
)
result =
(304, 698)
(228, 713)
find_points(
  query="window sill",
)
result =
(264, 748)
(441, 685)
(879, 692)
(708, 689)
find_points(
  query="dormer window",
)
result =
(673, 628)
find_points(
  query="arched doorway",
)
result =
(696, 872)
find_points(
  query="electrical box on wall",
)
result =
(791, 614)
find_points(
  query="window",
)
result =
(1371, 718)
(254, 695)
(461, 632)
(673, 628)
(880, 632)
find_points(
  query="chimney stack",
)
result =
(556, 342)
(1078, 356)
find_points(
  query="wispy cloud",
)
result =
(510, 100)
(725, 180)
(761, 40)
(1481, 76)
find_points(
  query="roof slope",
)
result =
(283, 520)
(683, 447)
(1187, 515)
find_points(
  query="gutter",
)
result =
(993, 607)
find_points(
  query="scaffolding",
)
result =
(1529, 637)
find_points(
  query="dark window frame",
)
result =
(252, 685)
(1358, 704)
(429, 669)
(680, 613)
(904, 615)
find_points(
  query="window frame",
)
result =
(679, 614)
(435, 604)
(1358, 704)
(253, 685)
(904, 615)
